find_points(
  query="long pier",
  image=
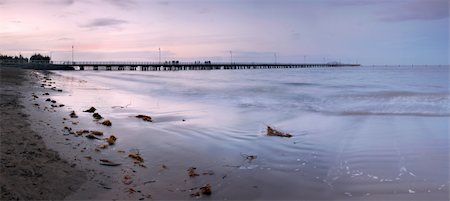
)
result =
(175, 65)
(163, 66)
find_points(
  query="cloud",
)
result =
(59, 2)
(357, 2)
(122, 3)
(163, 3)
(104, 22)
(65, 39)
(417, 10)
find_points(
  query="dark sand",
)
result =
(28, 170)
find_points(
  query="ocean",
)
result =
(375, 133)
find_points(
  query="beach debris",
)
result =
(81, 132)
(127, 180)
(273, 132)
(97, 116)
(107, 162)
(111, 139)
(208, 172)
(88, 157)
(98, 133)
(204, 190)
(107, 123)
(103, 146)
(35, 96)
(144, 117)
(136, 157)
(249, 157)
(191, 172)
(90, 110)
(90, 136)
(130, 191)
(73, 114)
(149, 182)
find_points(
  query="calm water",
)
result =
(359, 133)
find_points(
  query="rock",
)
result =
(144, 117)
(48, 99)
(90, 110)
(45, 94)
(107, 123)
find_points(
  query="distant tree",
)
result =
(11, 59)
(38, 58)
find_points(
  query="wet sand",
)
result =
(29, 170)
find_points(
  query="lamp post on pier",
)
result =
(231, 57)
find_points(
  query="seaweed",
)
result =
(204, 190)
(73, 114)
(144, 117)
(111, 139)
(107, 162)
(191, 172)
(90, 110)
(107, 123)
(273, 132)
(97, 116)
(136, 157)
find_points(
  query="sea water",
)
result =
(378, 133)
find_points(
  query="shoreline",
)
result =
(29, 170)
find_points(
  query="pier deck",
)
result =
(168, 66)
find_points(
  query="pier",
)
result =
(164, 66)
(176, 66)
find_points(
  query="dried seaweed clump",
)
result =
(107, 123)
(73, 114)
(90, 110)
(111, 139)
(273, 132)
(144, 117)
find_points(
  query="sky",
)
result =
(370, 32)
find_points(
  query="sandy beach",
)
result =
(29, 170)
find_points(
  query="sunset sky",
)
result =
(363, 31)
